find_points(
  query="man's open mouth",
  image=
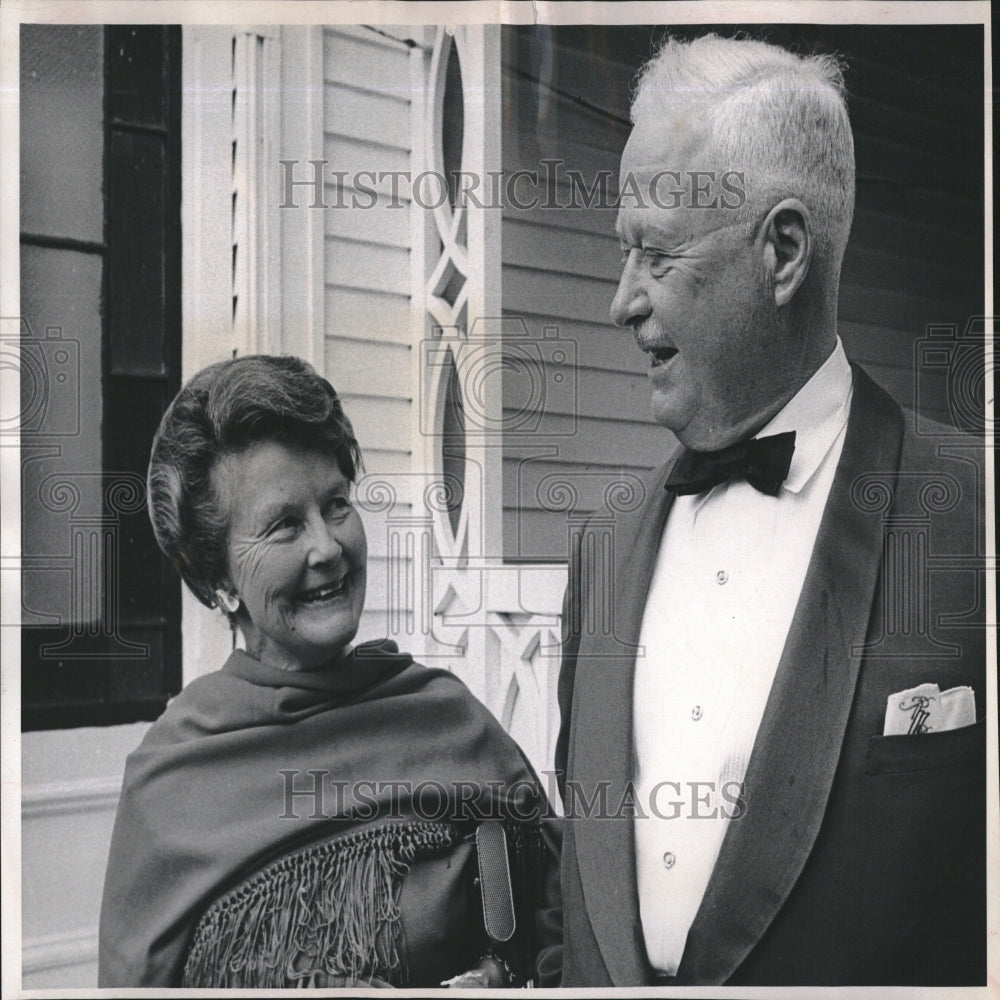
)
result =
(660, 355)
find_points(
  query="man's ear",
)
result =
(788, 247)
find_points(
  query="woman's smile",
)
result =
(325, 594)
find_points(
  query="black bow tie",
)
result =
(762, 462)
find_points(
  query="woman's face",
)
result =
(297, 553)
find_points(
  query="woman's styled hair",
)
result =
(224, 409)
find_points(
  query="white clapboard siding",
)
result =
(386, 224)
(557, 291)
(598, 345)
(392, 417)
(610, 394)
(379, 316)
(375, 267)
(591, 254)
(368, 355)
(368, 368)
(361, 59)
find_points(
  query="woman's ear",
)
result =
(228, 600)
(788, 247)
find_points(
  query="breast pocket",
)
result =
(954, 748)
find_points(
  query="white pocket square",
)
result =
(927, 709)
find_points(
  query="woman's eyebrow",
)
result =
(339, 485)
(273, 511)
(279, 508)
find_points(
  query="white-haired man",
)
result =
(763, 782)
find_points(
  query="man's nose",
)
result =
(630, 303)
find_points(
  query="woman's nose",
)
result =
(630, 303)
(324, 546)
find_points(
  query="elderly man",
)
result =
(772, 775)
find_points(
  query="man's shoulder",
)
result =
(946, 468)
(941, 451)
(927, 443)
(925, 437)
(938, 473)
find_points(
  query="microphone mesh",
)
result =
(494, 880)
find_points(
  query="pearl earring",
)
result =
(229, 601)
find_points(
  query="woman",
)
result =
(309, 814)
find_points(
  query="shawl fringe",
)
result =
(326, 910)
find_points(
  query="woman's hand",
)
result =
(489, 974)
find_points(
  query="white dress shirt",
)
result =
(726, 582)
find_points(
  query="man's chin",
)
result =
(693, 427)
(666, 411)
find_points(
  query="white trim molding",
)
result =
(56, 798)
(208, 332)
(256, 223)
(59, 951)
(303, 302)
(206, 193)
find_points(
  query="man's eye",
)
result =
(657, 261)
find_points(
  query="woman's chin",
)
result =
(307, 642)
(321, 645)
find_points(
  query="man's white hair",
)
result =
(778, 117)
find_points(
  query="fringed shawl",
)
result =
(206, 796)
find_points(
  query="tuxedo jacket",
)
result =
(859, 858)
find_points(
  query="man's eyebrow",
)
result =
(653, 235)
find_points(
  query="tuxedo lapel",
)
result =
(602, 745)
(798, 744)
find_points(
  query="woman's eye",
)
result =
(338, 505)
(283, 526)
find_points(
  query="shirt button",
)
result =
(721, 577)
(696, 712)
(669, 860)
